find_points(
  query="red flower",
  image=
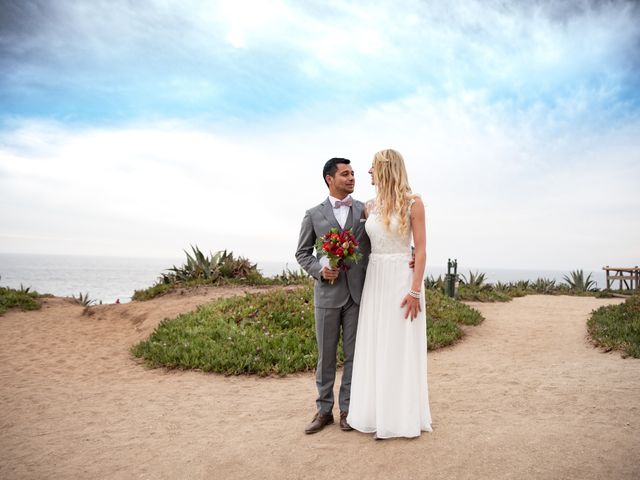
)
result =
(339, 247)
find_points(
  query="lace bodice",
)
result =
(386, 241)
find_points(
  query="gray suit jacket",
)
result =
(317, 222)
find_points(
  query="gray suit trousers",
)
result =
(328, 324)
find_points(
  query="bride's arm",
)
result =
(418, 229)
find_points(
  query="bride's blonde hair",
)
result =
(392, 188)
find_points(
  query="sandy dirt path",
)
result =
(524, 396)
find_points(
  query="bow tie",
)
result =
(343, 203)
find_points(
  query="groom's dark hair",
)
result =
(331, 167)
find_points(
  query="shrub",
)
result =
(617, 327)
(24, 299)
(293, 277)
(474, 288)
(475, 281)
(484, 294)
(209, 268)
(544, 285)
(431, 283)
(152, 292)
(577, 282)
(83, 299)
(221, 268)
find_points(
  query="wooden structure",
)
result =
(629, 277)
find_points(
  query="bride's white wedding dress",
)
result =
(389, 392)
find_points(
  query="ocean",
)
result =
(107, 279)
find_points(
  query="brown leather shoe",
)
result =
(319, 422)
(343, 422)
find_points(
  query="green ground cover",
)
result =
(474, 287)
(21, 298)
(617, 327)
(269, 333)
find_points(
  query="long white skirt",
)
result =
(389, 392)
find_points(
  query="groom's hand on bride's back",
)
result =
(329, 273)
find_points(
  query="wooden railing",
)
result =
(629, 277)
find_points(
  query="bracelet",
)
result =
(414, 294)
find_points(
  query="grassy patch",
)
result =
(13, 298)
(284, 279)
(444, 317)
(152, 292)
(444, 308)
(266, 333)
(617, 327)
(269, 333)
(485, 294)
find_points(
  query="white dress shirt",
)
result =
(341, 215)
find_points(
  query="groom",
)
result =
(337, 293)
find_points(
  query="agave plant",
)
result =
(201, 266)
(210, 268)
(235, 267)
(292, 277)
(226, 264)
(243, 268)
(578, 282)
(544, 285)
(198, 266)
(502, 287)
(83, 299)
(431, 283)
(475, 281)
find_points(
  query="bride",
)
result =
(389, 393)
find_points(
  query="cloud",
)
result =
(498, 192)
(119, 60)
(141, 127)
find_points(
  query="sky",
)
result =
(140, 128)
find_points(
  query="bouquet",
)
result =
(340, 247)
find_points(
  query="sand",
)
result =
(523, 396)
